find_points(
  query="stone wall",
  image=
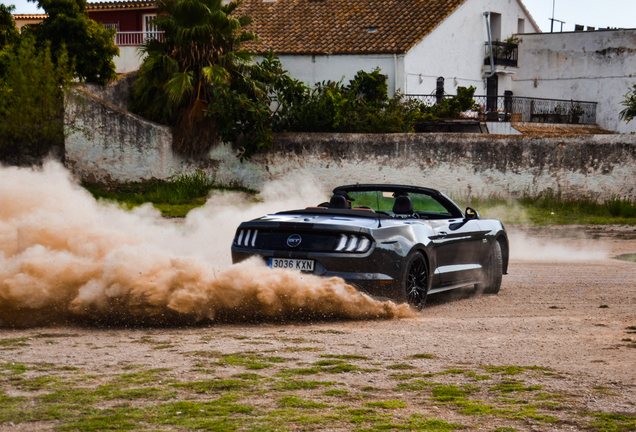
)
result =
(107, 143)
(458, 164)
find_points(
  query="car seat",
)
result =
(338, 202)
(403, 206)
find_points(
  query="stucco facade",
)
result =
(456, 49)
(597, 66)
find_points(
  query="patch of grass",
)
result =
(297, 402)
(416, 385)
(345, 356)
(510, 386)
(605, 422)
(164, 346)
(248, 376)
(249, 361)
(512, 370)
(14, 368)
(505, 429)
(206, 386)
(448, 393)
(421, 356)
(406, 376)
(336, 393)
(400, 366)
(173, 198)
(14, 343)
(551, 208)
(389, 405)
(142, 377)
(286, 385)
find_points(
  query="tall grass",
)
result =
(186, 190)
(552, 208)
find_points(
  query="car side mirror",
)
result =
(471, 214)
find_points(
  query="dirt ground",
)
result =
(568, 326)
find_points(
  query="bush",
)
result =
(31, 101)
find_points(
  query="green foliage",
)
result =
(8, 31)
(451, 107)
(173, 198)
(199, 61)
(363, 107)
(31, 100)
(621, 207)
(629, 103)
(89, 45)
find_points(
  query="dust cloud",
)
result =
(526, 248)
(65, 257)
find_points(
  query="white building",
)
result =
(597, 66)
(412, 41)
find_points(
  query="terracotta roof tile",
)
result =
(123, 4)
(29, 16)
(342, 26)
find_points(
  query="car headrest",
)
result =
(338, 202)
(403, 205)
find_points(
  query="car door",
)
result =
(463, 244)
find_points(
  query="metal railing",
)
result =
(504, 54)
(134, 38)
(525, 109)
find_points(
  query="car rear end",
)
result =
(319, 246)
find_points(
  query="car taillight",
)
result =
(247, 238)
(353, 243)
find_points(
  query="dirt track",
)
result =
(548, 314)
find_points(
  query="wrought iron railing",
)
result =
(135, 38)
(524, 109)
(504, 54)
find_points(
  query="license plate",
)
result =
(292, 264)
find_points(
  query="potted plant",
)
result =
(576, 112)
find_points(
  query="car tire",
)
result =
(493, 271)
(416, 281)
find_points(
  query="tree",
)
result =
(9, 35)
(31, 100)
(199, 58)
(89, 45)
(629, 102)
(8, 31)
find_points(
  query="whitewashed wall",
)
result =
(128, 60)
(313, 69)
(597, 66)
(455, 49)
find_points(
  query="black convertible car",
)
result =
(401, 242)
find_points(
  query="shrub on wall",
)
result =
(31, 101)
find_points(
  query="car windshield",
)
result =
(383, 201)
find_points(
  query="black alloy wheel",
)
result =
(416, 281)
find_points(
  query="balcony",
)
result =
(136, 38)
(505, 54)
(525, 109)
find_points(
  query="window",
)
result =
(495, 26)
(148, 24)
(112, 26)
(425, 206)
(521, 26)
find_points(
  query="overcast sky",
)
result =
(595, 13)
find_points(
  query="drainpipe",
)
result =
(492, 58)
(395, 70)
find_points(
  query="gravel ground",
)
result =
(568, 319)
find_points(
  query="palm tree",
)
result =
(200, 52)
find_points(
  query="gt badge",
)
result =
(294, 240)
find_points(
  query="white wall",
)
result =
(595, 66)
(313, 69)
(128, 59)
(455, 49)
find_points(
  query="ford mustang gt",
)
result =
(400, 242)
